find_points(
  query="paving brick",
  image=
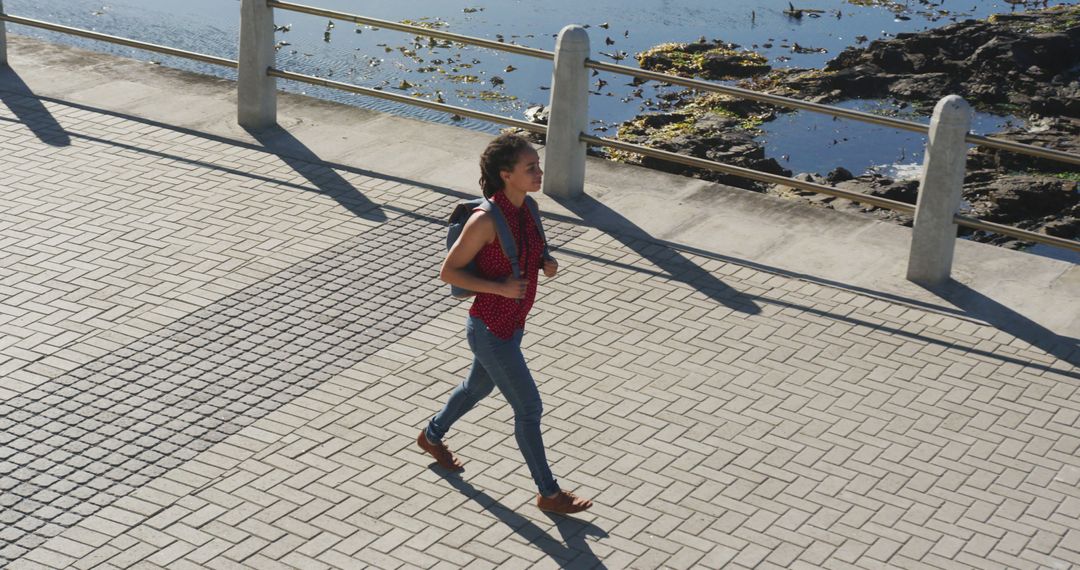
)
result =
(243, 377)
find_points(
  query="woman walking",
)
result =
(509, 170)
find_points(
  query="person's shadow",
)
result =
(575, 554)
(300, 158)
(28, 109)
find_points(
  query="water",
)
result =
(464, 75)
(894, 153)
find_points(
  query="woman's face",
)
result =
(526, 176)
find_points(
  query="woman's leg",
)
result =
(476, 386)
(505, 364)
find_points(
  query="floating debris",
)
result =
(486, 95)
(609, 41)
(617, 56)
(464, 78)
(496, 80)
(509, 68)
(797, 13)
(796, 48)
(283, 29)
(604, 25)
(405, 85)
(471, 10)
(280, 45)
(426, 22)
(537, 114)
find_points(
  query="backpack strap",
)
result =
(534, 209)
(506, 237)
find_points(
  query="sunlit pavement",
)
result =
(214, 356)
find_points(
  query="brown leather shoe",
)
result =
(565, 503)
(440, 452)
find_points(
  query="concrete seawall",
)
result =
(841, 249)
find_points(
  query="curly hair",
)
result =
(501, 154)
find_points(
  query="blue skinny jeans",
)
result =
(499, 362)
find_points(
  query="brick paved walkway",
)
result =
(213, 357)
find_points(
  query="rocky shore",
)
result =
(1024, 64)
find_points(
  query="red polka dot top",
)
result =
(503, 315)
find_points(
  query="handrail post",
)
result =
(564, 156)
(3, 38)
(256, 90)
(933, 237)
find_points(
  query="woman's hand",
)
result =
(551, 267)
(513, 288)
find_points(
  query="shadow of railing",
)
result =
(979, 306)
(575, 554)
(959, 301)
(674, 264)
(297, 155)
(17, 96)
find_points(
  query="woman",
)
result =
(509, 170)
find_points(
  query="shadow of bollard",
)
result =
(979, 306)
(17, 96)
(575, 554)
(300, 158)
(673, 263)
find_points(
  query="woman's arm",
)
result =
(478, 232)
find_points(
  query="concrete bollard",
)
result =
(933, 238)
(256, 91)
(3, 38)
(564, 156)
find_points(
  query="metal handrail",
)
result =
(612, 143)
(684, 81)
(749, 173)
(860, 197)
(419, 30)
(408, 100)
(901, 124)
(829, 110)
(119, 40)
(977, 224)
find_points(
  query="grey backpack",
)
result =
(461, 214)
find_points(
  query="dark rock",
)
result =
(989, 63)
(1068, 228)
(704, 135)
(1012, 199)
(838, 174)
(925, 88)
(1019, 64)
(1059, 133)
(537, 114)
